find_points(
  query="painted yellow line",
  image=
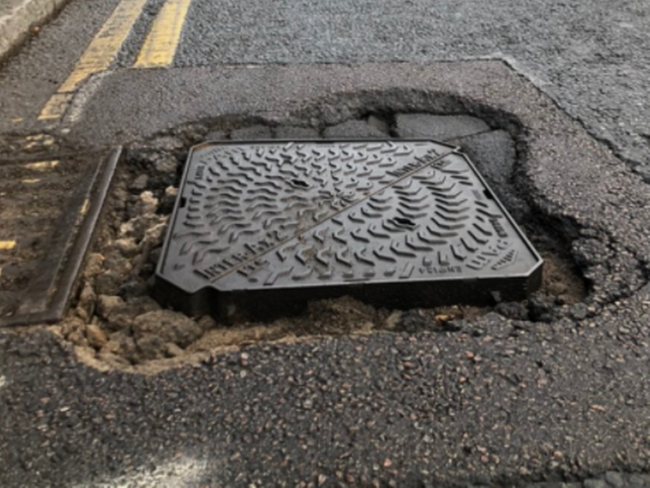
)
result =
(98, 56)
(7, 245)
(107, 43)
(31, 181)
(160, 46)
(56, 106)
(42, 165)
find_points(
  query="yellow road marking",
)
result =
(7, 245)
(160, 46)
(42, 165)
(56, 106)
(31, 182)
(98, 56)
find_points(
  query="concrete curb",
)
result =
(18, 16)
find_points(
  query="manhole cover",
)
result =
(263, 227)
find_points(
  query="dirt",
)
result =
(115, 323)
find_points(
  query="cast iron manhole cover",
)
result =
(263, 227)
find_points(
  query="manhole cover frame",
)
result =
(270, 302)
(47, 296)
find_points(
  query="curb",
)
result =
(19, 16)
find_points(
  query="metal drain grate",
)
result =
(263, 227)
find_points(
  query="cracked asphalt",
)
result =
(500, 402)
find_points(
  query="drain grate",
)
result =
(260, 228)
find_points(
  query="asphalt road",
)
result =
(562, 400)
(410, 410)
(592, 57)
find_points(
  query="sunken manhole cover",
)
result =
(261, 228)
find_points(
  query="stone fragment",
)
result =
(252, 133)
(413, 321)
(168, 325)
(121, 344)
(191, 132)
(354, 129)
(87, 302)
(150, 347)
(112, 360)
(216, 135)
(77, 338)
(135, 287)
(71, 325)
(290, 132)
(96, 336)
(154, 236)
(541, 309)
(553, 484)
(172, 350)
(438, 127)
(168, 143)
(150, 245)
(118, 263)
(146, 205)
(127, 247)
(378, 123)
(137, 227)
(139, 184)
(614, 479)
(108, 283)
(167, 165)
(206, 323)
(121, 317)
(107, 305)
(594, 483)
(94, 265)
(512, 310)
(639, 480)
(393, 320)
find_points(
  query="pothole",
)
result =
(116, 320)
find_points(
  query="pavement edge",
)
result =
(24, 14)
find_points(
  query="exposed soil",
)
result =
(115, 321)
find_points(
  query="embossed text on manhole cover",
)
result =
(264, 227)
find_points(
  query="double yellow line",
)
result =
(158, 50)
(160, 45)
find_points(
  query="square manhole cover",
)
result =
(263, 227)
